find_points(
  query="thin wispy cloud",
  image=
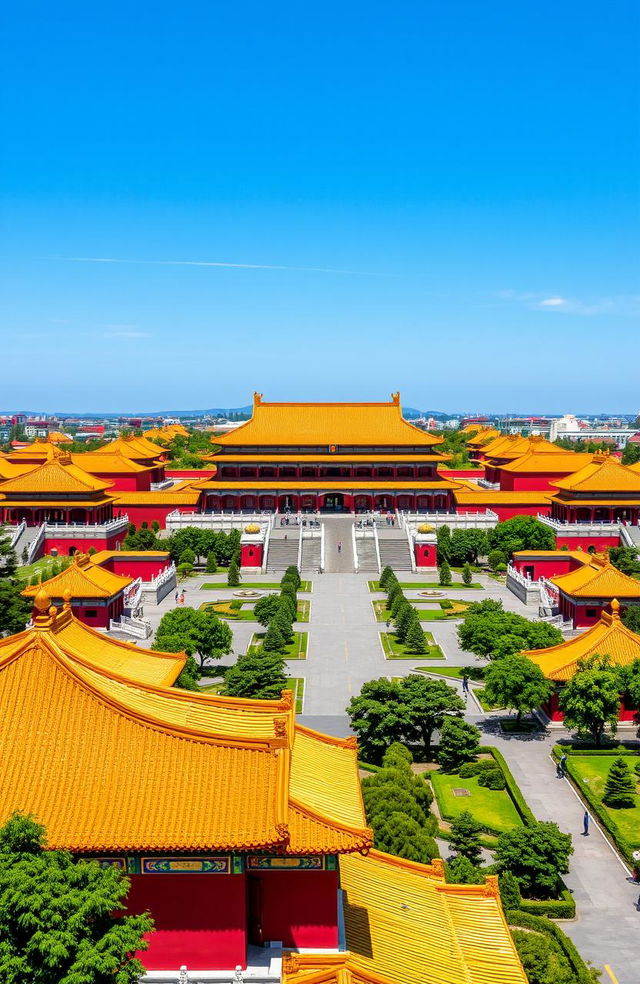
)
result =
(124, 331)
(216, 263)
(627, 305)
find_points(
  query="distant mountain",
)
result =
(410, 413)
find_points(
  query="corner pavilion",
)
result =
(332, 457)
(229, 818)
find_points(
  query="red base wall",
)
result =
(573, 542)
(251, 555)
(148, 513)
(82, 544)
(300, 907)
(190, 473)
(200, 920)
(552, 710)
(136, 567)
(426, 554)
(547, 567)
(507, 512)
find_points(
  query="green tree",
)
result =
(496, 558)
(467, 574)
(630, 454)
(465, 837)
(403, 618)
(15, 611)
(590, 701)
(404, 837)
(188, 557)
(378, 717)
(8, 560)
(397, 754)
(521, 533)
(58, 921)
(461, 871)
(444, 574)
(200, 633)
(293, 574)
(426, 705)
(265, 608)
(467, 545)
(459, 743)
(384, 577)
(282, 619)
(491, 632)
(620, 787)
(259, 674)
(542, 958)
(274, 641)
(537, 855)
(509, 891)
(142, 539)
(415, 640)
(189, 675)
(233, 576)
(212, 562)
(518, 684)
(395, 592)
(631, 618)
(444, 544)
(625, 559)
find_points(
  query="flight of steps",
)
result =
(394, 549)
(310, 562)
(367, 557)
(282, 553)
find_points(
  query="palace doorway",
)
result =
(333, 502)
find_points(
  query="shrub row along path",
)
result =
(607, 930)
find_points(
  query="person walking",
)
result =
(562, 766)
(585, 824)
(176, 597)
(339, 546)
(465, 685)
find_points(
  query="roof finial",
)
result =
(42, 601)
(66, 595)
(615, 608)
(257, 399)
(395, 398)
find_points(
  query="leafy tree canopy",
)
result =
(521, 533)
(493, 632)
(537, 855)
(591, 699)
(258, 674)
(57, 922)
(516, 683)
(200, 632)
(15, 611)
(459, 743)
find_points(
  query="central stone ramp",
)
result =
(338, 530)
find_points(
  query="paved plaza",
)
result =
(345, 651)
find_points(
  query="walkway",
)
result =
(338, 531)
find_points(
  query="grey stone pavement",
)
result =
(345, 652)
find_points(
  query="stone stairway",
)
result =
(633, 534)
(283, 549)
(25, 539)
(394, 549)
(310, 562)
(367, 557)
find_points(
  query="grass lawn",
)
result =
(397, 650)
(438, 614)
(297, 685)
(246, 612)
(305, 586)
(41, 568)
(426, 586)
(211, 688)
(591, 770)
(484, 701)
(455, 672)
(297, 649)
(493, 808)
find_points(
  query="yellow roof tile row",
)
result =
(82, 579)
(160, 768)
(59, 474)
(312, 484)
(533, 463)
(418, 458)
(608, 637)
(317, 424)
(602, 474)
(597, 579)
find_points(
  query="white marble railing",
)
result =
(177, 520)
(34, 547)
(14, 532)
(156, 582)
(597, 527)
(69, 530)
(461, 521)
(137, 627)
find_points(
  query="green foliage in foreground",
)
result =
(57, 922)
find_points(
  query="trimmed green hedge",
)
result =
(517, 919)
(586, 793)
(568, 750)
(562, 908)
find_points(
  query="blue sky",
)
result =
(440, 198)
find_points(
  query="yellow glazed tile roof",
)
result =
(116, 463)
(9, 469)
(58, 474)
(404, 922)
(581, 555)
(186, 496)
(110, 761)
(81, 579)
(39, 449)
(598, 579)
(317, 424)
(609, 637)
(534, 462)
(603, 474)
(485, 497)
(325, 484)
(136, 448)
(516, 446)
(102, 556)
(482, 437)
(418, 458)
(57, 437)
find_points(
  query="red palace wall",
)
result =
(553, 712)
(300, 907)
(200, 920)
(510, 482)
(80, 544)
(426, 554)
(573, 542)
(137, 567)
(507, 511)
(136, 482)
(546, 567)
(95, 615)
(251, 555)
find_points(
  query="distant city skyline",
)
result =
(321, 203)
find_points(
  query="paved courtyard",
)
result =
(345, 651)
